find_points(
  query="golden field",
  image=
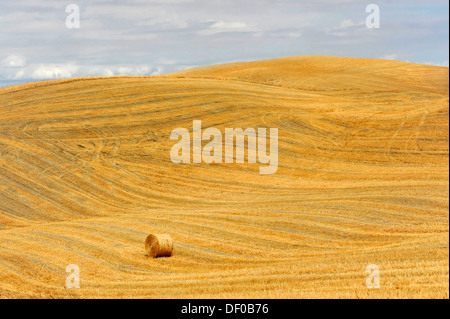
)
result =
(86, 175)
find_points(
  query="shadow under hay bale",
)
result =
(159, 246)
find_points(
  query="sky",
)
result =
(138, 37)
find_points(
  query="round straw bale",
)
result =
(159, 246)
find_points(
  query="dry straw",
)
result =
(159, 246)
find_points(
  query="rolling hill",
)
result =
(86, 175)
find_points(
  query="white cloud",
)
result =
(294, 34)
(347, 28)
(124, 70)
(54, 71)
(159, 70)
(390, 57)
(221, 27)
(143, 70)
(14, 61)
(19, 75)
(134, 70)
(347, 23)
(229, 25)
(105, 72)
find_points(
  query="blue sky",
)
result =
(138, 37)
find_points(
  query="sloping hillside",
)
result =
(331, 75)
(86, 174)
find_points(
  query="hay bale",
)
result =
(159, 246)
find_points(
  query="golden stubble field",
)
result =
(86, 175)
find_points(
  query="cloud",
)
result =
(138, 70)
(294, 34)
(229, 25)
(347, 28)
(347, 23)
(14, 61)
(390, 57)
(54, 71)
(100, 72)
(221, 27)
(159, 70)
(19, 75)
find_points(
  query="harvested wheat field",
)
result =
(86, 176)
